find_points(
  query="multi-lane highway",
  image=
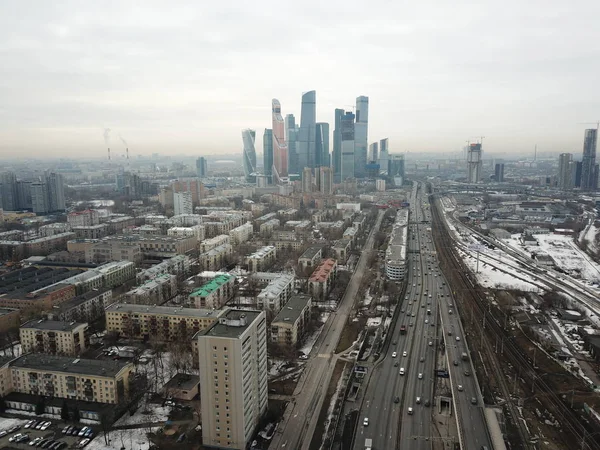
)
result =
(397, 408)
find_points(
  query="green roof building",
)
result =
(215, 293)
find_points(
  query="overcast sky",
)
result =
(186, 77)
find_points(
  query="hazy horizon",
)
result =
(188, 78)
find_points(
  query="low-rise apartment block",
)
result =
(241, 234)
(178, 265)
(310, 258)
(91, 231)
(262, 259)
(266, 229)
(164, 323)
(289, 326)
(54, 337)
(88, 380)
(45, 245)
(215, 293)
(108, 250)
(86, 307)
(86, 218)
(277, 292)
(52, 229)
(196, 231)
(40, 299)
(342, 249)
(322, 279)
(216, 258)
(118, 224)
(208, 244)
(153, 292)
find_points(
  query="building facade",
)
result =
(589, 171)
(361, 130)
(261, 259)
(54, 337)
(249, 154)
(289, 326)
(307, 133)
(347, 146)
(322, 279)
(182, 203)
(280, 148)
(215, 293)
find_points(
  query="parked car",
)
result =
(45, 426)
(36, 441)
(83, 443)
(29, 423)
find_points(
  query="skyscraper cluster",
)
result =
(42, 196)
(290, 148)
(580, 174)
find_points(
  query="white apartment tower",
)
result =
(182, 203)
(233, 378)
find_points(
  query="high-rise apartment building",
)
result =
(347, 147)
(232, 357)
(291, 137)
(201, 167)
(589, 174)
(322, 145)
(396, 169)
(384, 155)
(48, 194)
(337, 144)
(325, 180)
(307, 133)
(182, 203)
(268, 154)
(307, 180)
(249, 154)
(565, 171)
(361, 130)
(474, 163)
(8, 192)
(279, 146)
(373, 156)
(499, 172)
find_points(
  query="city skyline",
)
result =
(70, 72)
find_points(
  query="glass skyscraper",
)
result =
(347, 146)
(268, 152)
(589, 173)
(249, 155)
(279, 147)
(322, 145)
(307, 133)
(201, 167)
(361, 129)
(337, 144)
(291, 137)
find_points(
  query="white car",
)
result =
(46, 426)
(458, 338)
(366, 422)
(404, 354)
(394, 355)
(420, 376)
(460, 388)
(83, 443)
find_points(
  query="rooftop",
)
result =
(292, 309)
(262, 252)
(311, 253)
(321, 273)
(233, 323)
(75, 301)
(212, 285)
(68, 364)
(51, 325)
(163, 310)
(183, 381)
(5, 311)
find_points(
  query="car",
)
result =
(29, 423)
(449, 332)
(303, 357)
(455, 362)
(402, 311)
(429, 295)
(15, 437)
(397, 399)
(89, 433)
(414, 285)
(395, 342)
(473, 401)
(450, 311)
(366, 422)
(396, 364)
(410, 324)
(410, 410)
(66, 429)
(48, 443)
(83, 443)
(423, 305)
(404, 353)
(181, 437)
(14, 428)
(420, 376)
(422, 359)
(401, 370)
(457, 338)
(3, 433)
(413, 314)
(426, 321)
(460, 388)
(45, 426)
(427, 403)
(39, 425)
(73, 431)
(34, 442)
(418, 400)
(394, 354)
(467, 373)
(431, 343)
(82, 431)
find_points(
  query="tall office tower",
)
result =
(8, 192)
(565, 171)
(233, 378)
(249, 155)
(307, 133)
(307, 180)
(588, 161)
(56, 192)
(201, 167)
(474, 163)
(384, 155)
(499, 172)
(24, 194)
(39, 197)
(268, 154)
(395, 169)
(577, 176)
(347, 136)
(322, 145)
(325, 180)
(373, 152)
(182, 203)
(337, 145)
(291, 137)
(361, 130)
(280, 148)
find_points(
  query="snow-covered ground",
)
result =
(589, 234)
(368, 299)
(18, 412)
(310, 340)
(373, 321)
(153, 413)
(16, 349)
(135, 438)
(7, 422)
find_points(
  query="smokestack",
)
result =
(109, 153)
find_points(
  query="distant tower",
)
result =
(499, 172)
(322, 145)
(307, 133)
(384, 155)
(201, 167)
(291, 137)
(474, 163)
(268, 153)
(361, 131)
(325, 180)
(337, 145)
(373, 152)
(307, 180)
(588, 162)
(249, 155)
(347, 147)
(279, 146)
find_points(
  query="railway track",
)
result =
(473, 297)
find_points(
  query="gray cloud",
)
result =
(190, 75)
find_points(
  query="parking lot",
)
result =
(54, 431)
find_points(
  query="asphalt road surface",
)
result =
(301, 415)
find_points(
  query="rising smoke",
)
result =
(107, 136)
(123, 141)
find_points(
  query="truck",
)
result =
(464, 356)
(403, 329)
(368, 443)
